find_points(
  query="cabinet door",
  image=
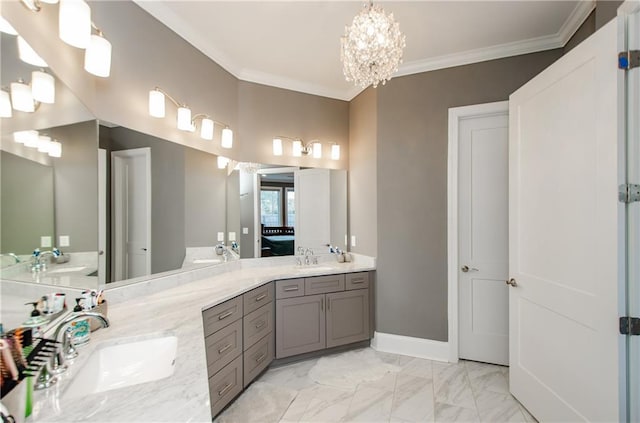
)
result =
(300, 325)
(347, 317)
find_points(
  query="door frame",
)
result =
(456, 114)
(119, 251)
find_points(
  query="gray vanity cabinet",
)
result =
(300, 325)
(347, 317)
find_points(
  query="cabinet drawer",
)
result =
(258, 324)
(358, 280)
(258, 297)
(217, 317)
(258, 357)
(289, 288)
(225, 385)
(323, 284)
(223, 346)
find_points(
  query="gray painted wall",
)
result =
(76, 185)
(26, 196)
(412, 184)
(204, 198)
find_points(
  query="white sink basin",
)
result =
(117, 366)
(68, 269)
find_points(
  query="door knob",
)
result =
(466, 268)
(143, 249)
(512, 282)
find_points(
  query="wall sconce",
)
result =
(75, 28)
(185, 121)
(22, 97)
(43, 143)
(299, 148)
(27, 98)
(5, 104)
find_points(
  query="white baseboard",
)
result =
(414, 347)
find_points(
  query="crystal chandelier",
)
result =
(372, 47)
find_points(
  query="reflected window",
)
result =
(271, 206)
(291, 207)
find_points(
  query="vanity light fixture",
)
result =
(26, 137)
(55, 149)
(186, 121)
(28, 55)
(222, 162)
(97, 56)
(5, 105)
(43, 87)
(22, 97)
(44, 143)
(299, 148)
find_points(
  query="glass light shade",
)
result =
(43, 143)
(21, 97)
(49, 1)
(222, 162)
(317, 150)
(297, 148)
(55, 149)
(26, 137)
(184, 118)
(43, 87)
(6, 27)
(5, 104)
(277, 147)
(206, 130)
(74, 23)
(29, 55)
(227, 138)
(97, 56)
(335, 152)
(156, 104)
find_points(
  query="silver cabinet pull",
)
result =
(225, 389)
(466, 268)
(512, 282)
(291, 288)
(261, 358)
(260, 324)
(261, 297)
(223, 349)
(225, 315)
(357, 281)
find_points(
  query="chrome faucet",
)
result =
(39, 263)
(15, 257)
(65, 351)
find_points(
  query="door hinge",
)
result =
(629, 59)
(630, 325)
(629, 193)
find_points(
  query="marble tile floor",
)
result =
(421, 391)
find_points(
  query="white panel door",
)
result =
(563, 236)
(483, 238)
(102, 215)
(313, 209)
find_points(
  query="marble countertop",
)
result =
(184, 396)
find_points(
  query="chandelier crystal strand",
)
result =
(372, 47)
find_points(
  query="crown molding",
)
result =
(168, 18)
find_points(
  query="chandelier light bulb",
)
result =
(371, 48)
(335, 152)
(227, 138)
(277, 147)
(206, 130)
(6, 27)
(21, 97)
(26, 137)
(156, 104)
(184, 118)
(43, 87)
(5, 105)
(317, 150)
(29, 55)
(297, 148)
(55, 149)
(97, 56)
(74, 23)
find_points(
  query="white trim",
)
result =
(407, 345)
(456, 114)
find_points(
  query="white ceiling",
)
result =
(296, 44)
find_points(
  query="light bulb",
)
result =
(6, 27)
(335, 152)
(43, 87)
(227, 138)
(184, 118)
(277, 147)
(5, 104)
(55, 149)
(97, 57)
(49, 1)
(297, 148)
(43, 143)
(222, 162)
(28, 54)
(29, 137)
(21, 97)
(156, 103)
(74, 23)
(317, 150)
(206, 130)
